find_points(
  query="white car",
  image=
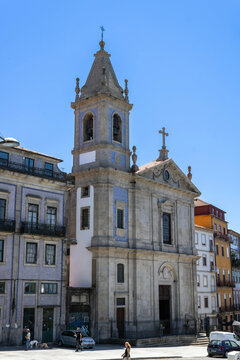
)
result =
(68, 337)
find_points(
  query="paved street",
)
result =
(107, 352)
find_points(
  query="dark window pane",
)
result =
(166, 228)
(85, 191)
(85, 219)
(120, 224)
(31, 253)
(2, 287)
(50, 254)
(120, 301)
(2, 209)
(120, 273)
(117, 128)
(3, 158)
(30, 288)
(29, 165)
(51, 216)
(48, 288)
(1, 250)
(32, 213)
(88, 127)
(48, 169)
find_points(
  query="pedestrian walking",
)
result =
(78, 336)
(27, 337)
(126, 354)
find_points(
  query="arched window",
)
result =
(117, 128)
(88, 127)
(120, 273)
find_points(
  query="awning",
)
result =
(236, 323)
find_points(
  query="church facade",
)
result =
(132, 260)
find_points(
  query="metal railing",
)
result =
(42, 229)
(43, 173)
(227, 283)
(7, 225)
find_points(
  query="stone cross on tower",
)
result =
(102, 29)
(163, 153)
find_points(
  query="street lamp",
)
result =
(9, 142)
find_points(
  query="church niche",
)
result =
(88, 127)
(117, 128)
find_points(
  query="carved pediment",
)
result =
(168, 173)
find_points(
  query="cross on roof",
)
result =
(102, 28)
(163, 135)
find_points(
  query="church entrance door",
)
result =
(120, 322)
(164, 307)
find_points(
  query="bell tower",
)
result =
(101, 119)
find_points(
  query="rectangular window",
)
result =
(85, 219)
(196, 238)
(48, 288)
(120, 217)
(120, 273)
(219, 228)
(204, 260)
(2, 287)
(227, 252)
(222, 250)
(50, 254)
(206, 302)
(51, 217)
(205, 280)
(224, 231)
(198, 280)
(3, 158)
(1, 250)
(217, 249)
(85, 191)
(48, 169)
(166, 228)
(203, 237)
(215, 226)
(120, 301)
(33, 214)
(30, 288)
(2, 209)
(199, 302)
(31, 253)
(29, 165)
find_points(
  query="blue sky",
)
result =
(182, 62)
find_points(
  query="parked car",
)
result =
(224, 335)
(222, 347)
(68, 338)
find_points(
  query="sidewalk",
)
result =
(104, 352)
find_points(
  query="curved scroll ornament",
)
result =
(156, 173)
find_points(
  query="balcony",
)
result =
(226, 308)
(225, 283)
(7, 225)
(42, 229)
(43, 173)
(212, 268)
(221, 235)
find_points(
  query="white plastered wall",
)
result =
(80, 256)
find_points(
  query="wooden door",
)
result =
(120, 322)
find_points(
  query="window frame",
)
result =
(4, 207)
(4, 161)
(84, 120)
(83, 188)
(120, 224)
(115, 114)
(54, 246)
(169, 236)
(120, 273)
(3, 284)
(206, 302)
(30, 283)
(48, 171)
(26, 253)
(46, 285)
(2, 251)
(205, 283)
(29, 168)
(82, 209)
(222, 251)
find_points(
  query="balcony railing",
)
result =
(43, 173)
(42, 229)
(221, 235)
(226, 283)
(226, 308)
(7, 225)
